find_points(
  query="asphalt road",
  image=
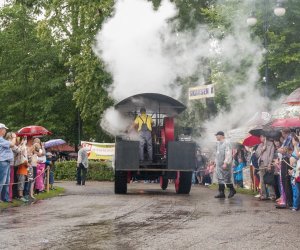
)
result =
(93, 217)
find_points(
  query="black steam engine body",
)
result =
(172, 159)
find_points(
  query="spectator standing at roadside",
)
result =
(34, 152)
(50, 160)
(41, 164)
(265, 152)
(286, 195)
(82, 165)
(9, 137)
(6, 156)
(21, 160)
(295, 172)
(200, 166)
(277, 165)
(223, 165)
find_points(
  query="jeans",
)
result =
(194, 178)
(4, 180)
(81, 174)
(296, 195)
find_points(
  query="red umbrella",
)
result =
(33, 131)
(251, 141)
(293, 98)
(286, 123)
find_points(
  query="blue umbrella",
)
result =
(54, 142)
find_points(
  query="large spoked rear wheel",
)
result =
(120, 182)
(183, 182)
(163, 181)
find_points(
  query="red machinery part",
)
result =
(166, 134)
(163, 142)
(169, 129)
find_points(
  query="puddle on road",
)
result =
(105, 234)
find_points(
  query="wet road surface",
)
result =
(93, 217)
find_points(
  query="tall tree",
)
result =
(74, 24)
(30, 73)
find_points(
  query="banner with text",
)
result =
(99, 151)
(204, 91)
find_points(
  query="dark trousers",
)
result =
(15, 186)
(277, 185)
(81, 174)
(222, 187)
(286, 182)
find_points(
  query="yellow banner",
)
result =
(99, 151)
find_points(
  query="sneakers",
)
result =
(231, 193)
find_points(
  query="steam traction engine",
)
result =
(171, 159)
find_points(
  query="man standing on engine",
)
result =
(144, 127)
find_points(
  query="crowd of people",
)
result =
(22, 166)
(274, 168)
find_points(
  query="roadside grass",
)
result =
(238, 190)
(42, 196)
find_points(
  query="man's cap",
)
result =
(220, 133)
(143, 109)
(3, 126)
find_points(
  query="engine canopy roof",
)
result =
(153, 102)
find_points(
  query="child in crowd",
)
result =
(208, 174)
(238, 172)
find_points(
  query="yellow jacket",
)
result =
(143, 119)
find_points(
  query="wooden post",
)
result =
(48, 176)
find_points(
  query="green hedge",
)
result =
(97, 171)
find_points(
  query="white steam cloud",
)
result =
(131, 45)
(144, 52)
